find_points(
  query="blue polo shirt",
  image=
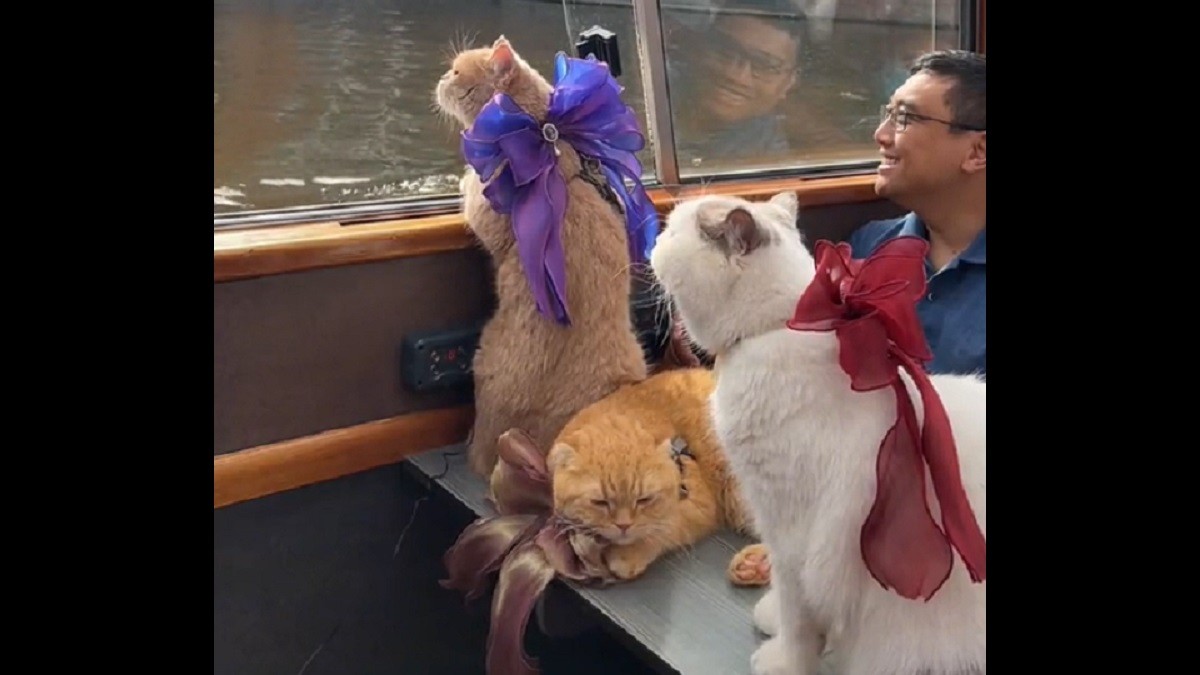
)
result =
(954, 309)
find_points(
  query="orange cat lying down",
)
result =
(643, 469)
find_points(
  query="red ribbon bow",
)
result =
(871, 304)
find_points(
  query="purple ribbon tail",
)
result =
(537, 213)
(641, 218)
(500, 191)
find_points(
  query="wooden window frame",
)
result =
(246, 254)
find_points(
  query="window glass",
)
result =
(616, 17)
(768, 84)
(318, 103)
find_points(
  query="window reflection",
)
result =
(728, 78)
(582, 15)
(764, 84)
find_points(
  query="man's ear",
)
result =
(793, 80)
(976, 159)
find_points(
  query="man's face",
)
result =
(927, 156)
(749, 64)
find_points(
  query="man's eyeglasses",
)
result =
(724, 48)
(901, 117)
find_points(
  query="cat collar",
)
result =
(585, 111)
(679, 450)
(871, 305)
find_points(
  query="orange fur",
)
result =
(618, 450)
(531, 373)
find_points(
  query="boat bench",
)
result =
(682, 616)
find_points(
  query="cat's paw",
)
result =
(771, 658)
(750, 566)
(766, 613)
(626, 562)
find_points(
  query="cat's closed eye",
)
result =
(648, 499)
(602, 503)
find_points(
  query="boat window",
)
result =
(323, 110)
(610, 25)
(756, 86)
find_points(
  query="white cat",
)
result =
(805, 446)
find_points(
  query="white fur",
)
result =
(803, 446)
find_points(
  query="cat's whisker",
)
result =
(662, 303)
(463, 40)
(662, 306)
(624, 269)
(453, 46)
(678, 198)
(469, 39)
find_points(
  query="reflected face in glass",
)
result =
(921, 152)
(750, 65)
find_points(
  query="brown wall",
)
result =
(297, 354)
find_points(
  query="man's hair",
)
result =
(967, 96)
(782, 14)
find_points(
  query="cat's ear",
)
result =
(788, 202)
(560, 455)
(737, 234)
(503, 61)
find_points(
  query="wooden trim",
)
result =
(268, 469)
(811, 192)
(278, 250)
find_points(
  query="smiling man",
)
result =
(933, 139)
(733, 75)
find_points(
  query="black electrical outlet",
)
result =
(438, 360)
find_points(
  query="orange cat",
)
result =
(531, 372)
(617, 471)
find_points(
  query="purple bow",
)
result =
(585, 111)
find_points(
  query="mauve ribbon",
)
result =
(526, 546)
(585, 111)
(871, 304)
